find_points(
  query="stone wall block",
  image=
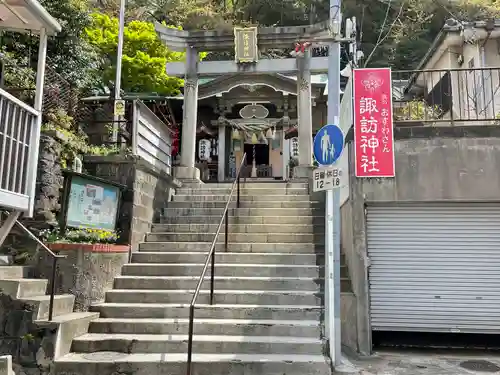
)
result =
(31, 347)
(49, 180)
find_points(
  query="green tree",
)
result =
(68, 53)
(144, 55)
(411, 26)
(398, 32)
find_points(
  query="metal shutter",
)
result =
(434, 267)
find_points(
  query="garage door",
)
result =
(434, 268)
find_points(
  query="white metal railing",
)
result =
(19, 132)
(151, 138)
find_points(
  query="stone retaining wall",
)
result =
(31, 347)
(87, 272)
(149, 190)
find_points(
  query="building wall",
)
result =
(430, 79)
(319, 112)
(492, 52)
(475, 93)
(432, 164)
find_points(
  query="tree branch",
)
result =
(381, 40)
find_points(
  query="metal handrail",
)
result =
(211, 259)
(55, 257)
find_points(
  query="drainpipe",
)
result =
(482, 52)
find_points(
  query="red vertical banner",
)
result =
(373, 123)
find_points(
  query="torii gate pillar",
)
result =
(304, 116)
(186, 170)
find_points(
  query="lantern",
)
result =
(254, 139)
(269, 134)
(262, 138)
(236, 134)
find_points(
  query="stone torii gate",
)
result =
(246, 42)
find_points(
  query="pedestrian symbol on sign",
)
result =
(328, 145)
(327, 149)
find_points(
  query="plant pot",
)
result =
(91, 248)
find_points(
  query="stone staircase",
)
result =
(268, 310)
(24, 310)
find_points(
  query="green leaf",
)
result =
(144, 55)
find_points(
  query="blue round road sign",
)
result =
(328, 144)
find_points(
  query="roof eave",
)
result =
(433, 48)
(52, 26)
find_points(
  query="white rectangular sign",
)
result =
(327, 178)
(119, 107)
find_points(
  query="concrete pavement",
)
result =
(428, 363)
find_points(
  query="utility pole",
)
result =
(332, 214)
(118, 77)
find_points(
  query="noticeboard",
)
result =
(90, 202)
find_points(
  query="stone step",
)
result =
(261, 247)
(276, 186)
(63, 304)
(298, 328)
(80, 320)
(177, 310)
(238, 237)
(83, 316)
(22, 288)
(232, 297)
(144, 343)
(259, 184)
(258, 197)
(68, 326)
(6, 364)
(239, 228)
(203, 364)
(221, 283)
(222, 257)
(243, 212)
(245, 191)
(245, 220)
(222, 269)
(15, 272)
(6, 260)
(246, 204)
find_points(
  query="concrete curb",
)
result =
(6, 365)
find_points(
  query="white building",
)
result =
(459, 76)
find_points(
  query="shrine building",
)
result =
(252, 114)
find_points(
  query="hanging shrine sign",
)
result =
(295, 147)
(204, 150)
(245, 45)
(373, 123)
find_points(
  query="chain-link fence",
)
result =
(58, 92)
(95, 115)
